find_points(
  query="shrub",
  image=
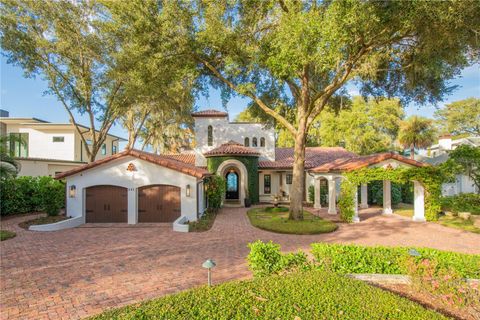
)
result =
(396, 194)
(390, 260)
(30, 194)
(304, 295)
(311, 193)
(215, 189)
(266, 259)
(468, 202)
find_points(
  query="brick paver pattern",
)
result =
(75, 273)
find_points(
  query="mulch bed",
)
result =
(42, 220)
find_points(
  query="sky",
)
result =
(24, 97)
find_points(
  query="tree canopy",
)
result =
(465, 160)
(416, 132)
(460, 117)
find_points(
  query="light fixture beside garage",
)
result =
(187, 190)
(72, 191)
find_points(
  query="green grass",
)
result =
(5, 235)
(42, 220)
(458, 223)
(404, 209)
(204, 223)
(276, 220)
(304, 295)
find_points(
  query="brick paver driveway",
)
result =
(79, 272)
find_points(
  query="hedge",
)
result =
(390, 260)
(463, 202)
(304, 295)
(31, 194)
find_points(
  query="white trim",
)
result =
(60, 225)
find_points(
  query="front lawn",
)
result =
(459, 223)
(304, 295)
(276, 220)
(42, 220)
(5, 235)
(404, 209)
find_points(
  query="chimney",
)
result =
(445, 142)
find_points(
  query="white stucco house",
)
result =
(438, 153)
(139, 187)
(49, 148)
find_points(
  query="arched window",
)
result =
(247, 142)
(210, 136)
(262, 142)
(254, 142)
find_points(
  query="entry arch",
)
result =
(242, 179)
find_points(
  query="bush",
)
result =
(303, 295)
(311, 193)
(266, 259)
(215, 190)
(463, 202)
(390, 260)
(31, 194)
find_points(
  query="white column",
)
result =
(317, 204)
(387, 197)
(132, 206)
(332, 209)
(364, 196)
(355, 216)
(419, 201)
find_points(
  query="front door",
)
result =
(232, 185)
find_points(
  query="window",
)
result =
(262, 142)
(247, 142)
(58, 139)
(19, 144)
(114, 148)
(210, 135)
(267, 184)
(254, 142)
(289, 177)
(104, 149)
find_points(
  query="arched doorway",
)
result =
(233, 187)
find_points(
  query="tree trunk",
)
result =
(298, 184)
(412, 152)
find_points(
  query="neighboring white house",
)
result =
(49, 148)
(438, 153)
(135, 186)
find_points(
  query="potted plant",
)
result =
(248, 203)
(276, 200)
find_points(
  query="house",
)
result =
(49, 148)
(438, 153)
(137, 187)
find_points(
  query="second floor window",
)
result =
(210, 135)
(267, 184)
(19, 144)
(247, 142)
(104, 149)
(289, 177)
(58, 139)
(262, 142)
(254, 142)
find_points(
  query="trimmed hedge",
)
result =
(31, 194)
(390, 260)
(303, 295)
(463, 202)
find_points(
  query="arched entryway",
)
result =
(233, 184)
(236, 176)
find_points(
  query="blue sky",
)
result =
(24, 97)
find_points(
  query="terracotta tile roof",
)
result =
(349, 164)
(232, 148)
(314, 157)
(209, 113)
(188, 158)
(161, 160)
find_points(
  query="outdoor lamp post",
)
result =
(209, 264)
(414, 253)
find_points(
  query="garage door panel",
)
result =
(158, 203)
(106, 204)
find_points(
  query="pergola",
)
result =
(333, 172)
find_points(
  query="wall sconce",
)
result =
(72, 191)
(187, 191)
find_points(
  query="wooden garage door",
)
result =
(158, 203)
(106, 204)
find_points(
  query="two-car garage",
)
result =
(135, 187)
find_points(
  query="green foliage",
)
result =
(8, 164)
(205, 222)
(430, 177)
(304, 295)
(311, 193)
(460, 117)
(266, 259)
(276, 220)
(464, 160)
(6, 234)
(30, 194)
(251, 164)
(215, 189)
(463, 202)
(416, 132)
(396, 192)
(390, 260)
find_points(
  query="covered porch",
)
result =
(333, 174)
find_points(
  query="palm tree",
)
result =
(416, 132)
(9, 167)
